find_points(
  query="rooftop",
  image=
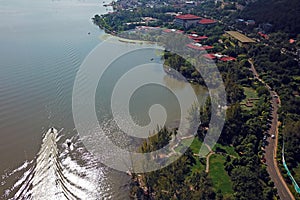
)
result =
(197, 37)
(240, 37)
(263, 35)
(207, 21)
(187, 17)
(198, 47)
(226, 59)
(209, 56)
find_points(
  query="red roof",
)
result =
(207, 21)
(197, 41)
(209, 56)
(225, 59)
(167, 30)
(180, 31)
(187, 17)
(292, 41)
(263, 35)
(201, 48)
(197, 37)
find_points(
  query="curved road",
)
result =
(271, 148)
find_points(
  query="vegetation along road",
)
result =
(271, 148)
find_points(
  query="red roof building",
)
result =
(167, 30)
(209, 56)
(207, 21)
(197, 37)
(292, 41)
(186, 21)
(227, 58)
(180, 31)
(187, 17)
(199, 47)
(263, 35)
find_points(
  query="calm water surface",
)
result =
(42, 45)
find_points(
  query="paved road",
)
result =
(271, 148)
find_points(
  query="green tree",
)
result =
(246, 184)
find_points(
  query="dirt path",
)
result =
(211, 152)
(207, 161)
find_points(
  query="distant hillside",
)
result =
(283, 14)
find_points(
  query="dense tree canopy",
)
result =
(283, 15)
(291, 133)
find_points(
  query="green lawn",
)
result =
(198, 167)
(229, 149)
(185, 142)
(195, 145)
(250, 92)
(178, 148)
(296, 78)
(219, 176)
(217, 173)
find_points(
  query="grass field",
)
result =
(217, 173)
(229, 149)
(296, 78)
(198, 167)
(219, 176)
(250, 92)
(185, 142)
(195, 145)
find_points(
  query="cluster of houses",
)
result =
(262, 28)
(249, 22)
(218, 57)
(133, 4)
(194, 45)
(188, 20)
(181, 20)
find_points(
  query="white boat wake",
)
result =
(68, 172)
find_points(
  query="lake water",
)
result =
(42, 45)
